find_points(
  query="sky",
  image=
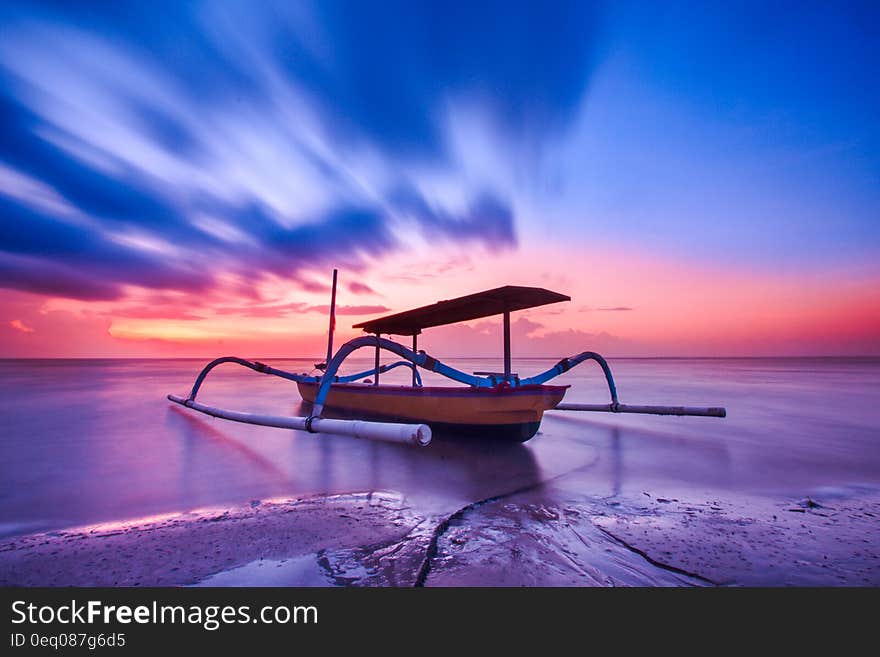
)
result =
(180, 179)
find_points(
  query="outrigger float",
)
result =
(499, 405)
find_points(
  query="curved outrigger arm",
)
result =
(417, 434)
(615, 406)
(257, 366)
(349, 378)
(423, 360)
(420, 359)
(567, 363)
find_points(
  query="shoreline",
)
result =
(522, 539)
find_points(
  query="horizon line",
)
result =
(700, 357)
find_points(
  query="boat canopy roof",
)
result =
(473, 306)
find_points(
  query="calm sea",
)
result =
(87, 441)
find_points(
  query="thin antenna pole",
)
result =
(332, 321)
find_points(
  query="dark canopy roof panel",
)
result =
(462, 309)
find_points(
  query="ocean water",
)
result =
(88, 441)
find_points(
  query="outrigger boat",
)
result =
(499, 405)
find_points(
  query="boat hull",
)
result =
(512, 414)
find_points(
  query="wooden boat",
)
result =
(501, 411)
(499, 405)
(498, 413)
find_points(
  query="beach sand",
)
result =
(524, 539)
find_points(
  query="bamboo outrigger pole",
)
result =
(413, 434)
(648, 410)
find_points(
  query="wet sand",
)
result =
(659, 540)
(523, 539)
(182, 549)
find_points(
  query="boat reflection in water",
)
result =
(453, 471)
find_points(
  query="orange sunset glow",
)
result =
(621, 304)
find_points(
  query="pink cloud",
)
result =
(349, 310)
(285, 309)
(587, 309)
(527, 340)
(154, 312)
(360, 288)
(264, 310)
(19, 325)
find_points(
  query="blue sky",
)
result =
(740, 132)
(194, 147)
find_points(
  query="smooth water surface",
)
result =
(87, 441)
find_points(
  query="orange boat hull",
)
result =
(506, 413)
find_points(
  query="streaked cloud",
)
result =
(20, 326)
(356, 287)
(164, 146)
(589, 309)
(349, 310)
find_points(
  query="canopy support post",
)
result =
(506, 345)
(415, 351)
(376, 378)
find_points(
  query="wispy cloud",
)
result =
(356, 287)
(286, 309)
(164, 147)
(528, 339)
(589, 309)
(349, 310)
(20, 326)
